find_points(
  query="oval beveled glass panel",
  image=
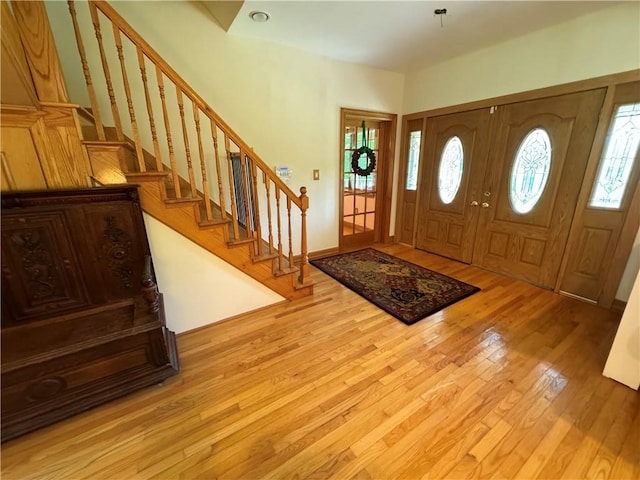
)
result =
(530, 171)
(450, 170)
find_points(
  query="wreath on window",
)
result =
(371, 157)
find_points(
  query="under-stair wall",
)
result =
(200, 288)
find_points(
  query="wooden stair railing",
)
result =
(243, 191)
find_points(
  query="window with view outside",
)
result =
(619, 154)
(450, 171)
(353, 141)
(414, 158)
(530, 170)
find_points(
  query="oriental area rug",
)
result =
(403, 289)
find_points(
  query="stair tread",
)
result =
(135, 177)
(213, 222)
(86, 113)
(264, 257)
(123, 143)
(286, 271)
(302, 286)
(188, 199)
(239, 241)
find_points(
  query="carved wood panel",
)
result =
(119, 244)
(40, 271)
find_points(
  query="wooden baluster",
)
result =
(214, 136)
(185, 136)
(127, 90)
(167, 128)
(95, 111)
(203, 166)
(234, 210)
(256, 206)
(246, 185)
(290, 236)
(105, 68)
(267, 185)
(304, 275)
(280, 256)
(152, 122)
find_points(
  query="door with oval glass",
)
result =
(514, 209)
(539, 154)
(451, 182)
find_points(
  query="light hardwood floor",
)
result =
(504, 384)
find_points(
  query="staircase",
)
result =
(195, 174)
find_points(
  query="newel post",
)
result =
(304, 260)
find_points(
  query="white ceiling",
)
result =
(401, 35)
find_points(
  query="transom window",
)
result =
(530, 170)
(450, 170)
(618, 156)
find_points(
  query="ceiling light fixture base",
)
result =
(259, 16)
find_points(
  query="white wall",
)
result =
(199, 288)
(630, 272)
(601, 43)
(623, 363)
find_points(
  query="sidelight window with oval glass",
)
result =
(413, 160)
(530, 171)
(616, 164)
(450, 170)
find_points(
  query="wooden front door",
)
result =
(455, 159)
(365, 206)
(539, 153)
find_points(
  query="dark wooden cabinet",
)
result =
(82, 319)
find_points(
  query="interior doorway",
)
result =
(367, 144)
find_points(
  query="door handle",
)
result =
(485, 205)
(474, 204)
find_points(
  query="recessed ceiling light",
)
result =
(259, 16)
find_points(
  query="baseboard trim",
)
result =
(233, 317)
(324, 253)
(317, 254)
(577, 297)
(618, 306)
